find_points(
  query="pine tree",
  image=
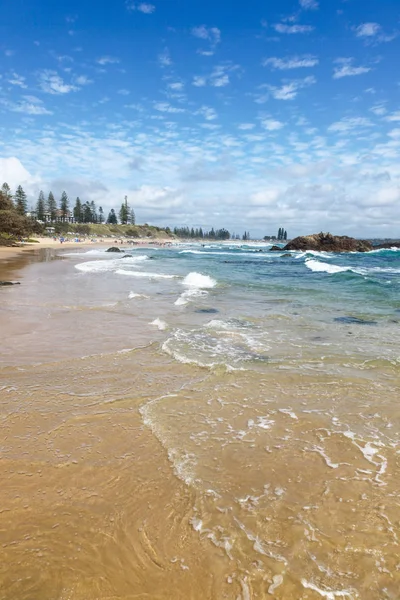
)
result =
(87, 213)
(112, 217)
(285, 235)
(40, 207)
(78, 210)
(20, 201)
(64, 205)
(52, 207)
(94, 212)
(6, 191)
(101, 215)
(123, 214)
(132, 217)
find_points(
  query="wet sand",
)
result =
(128, 475)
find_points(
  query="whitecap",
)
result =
(102, 266)
(196, 284)
(320, 267)
(161, 325)
(143, 274)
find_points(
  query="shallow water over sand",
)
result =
(128, 474)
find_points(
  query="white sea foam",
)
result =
(196, 284)
(133, 295)
(329, 594)
(197, 280)
(161, 325)
(320, 267)
(102, 266)
(143, 274)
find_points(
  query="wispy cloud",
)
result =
(367, 29)
(83, 80)
(143, 7)
(272, 124)
(208, 113)
(29, 105)
(291, 29)
(219, 77)
(107, 60)
(309, 4)
(246, 126)
(350, 124)
(164, 59)
(373, 33)
(52, 83)
(210, 34)
(289, 90)
(17, 80)
(167, 108)
(347, 69)
(293, 62)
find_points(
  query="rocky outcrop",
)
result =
(114, 249)
(276, 249)
(9, 283)
(326, 242)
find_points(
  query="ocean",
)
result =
(219, 420)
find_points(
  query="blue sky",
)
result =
(249, 116)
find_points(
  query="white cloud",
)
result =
(346, 69)
(349, 124)
(107, 60)
(17, 80)
(164, 58)
(291, 29)
(221, 81)
(393, 116)
(367, 29)
(208, 113)
(265, 197)
(309, 4)
(212, 34)
(246, 126)
(13, 172)
(166, 107)
(272, 124)
(83, 80)
(123, 92)
(52, 83)
(289, 91)
(29, 105)
(176, 86)
(143, 7)
(199, 81)
(294, 62)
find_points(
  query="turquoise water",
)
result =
(242, 306)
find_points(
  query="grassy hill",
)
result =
(132, 231)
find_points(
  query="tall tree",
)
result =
(6, 191)
(52, 207)
(101, 215)
(78, 210)
(123, 213)
(94, 212)
(64, 205)
(20, 201)
(40, 207)
(87, 213)
(112, 217)
(132, 217)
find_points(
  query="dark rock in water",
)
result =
(208, 311)
(113, 249)
(326, 242)
(9, 283)
(354, 321)
(287, 255)
(276, 249)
